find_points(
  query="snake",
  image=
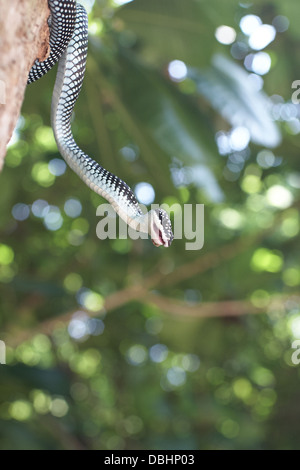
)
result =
(68, 42)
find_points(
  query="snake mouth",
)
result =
(161, 230)
(160, 241)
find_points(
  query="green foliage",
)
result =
(116, 344)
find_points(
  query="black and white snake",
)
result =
(68, 45)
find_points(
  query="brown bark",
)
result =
(24, 36)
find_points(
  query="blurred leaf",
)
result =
(155, 21)
(168, 29)
(175, 124)
(226, 86)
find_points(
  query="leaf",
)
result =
(226, 86)
(174, 123)
(168, 29)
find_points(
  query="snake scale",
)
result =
(68, 47)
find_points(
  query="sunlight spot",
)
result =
(41, 174)
(261, 63)
(295, 326)
(255, 81)
(190, 362)
(145, 193)
(6, 255)
(225, 34)
(158, 353)
(260, 298)
(291, 277)
(53, 220)
(95, 27)
(230, 429)
(249, 24)
(90, 300)
(223, 143)
(262, 37)
(177, 70)
(251, 184)
(266, 260)
(294, 126)
(242, 388)
(41, 402)
(239, 50)
(294, 180)
(239, 138)
(231, 219)
(20, 212)
(59, 407)
(45, 138)
(130, 153)
(266, 159)
(73, 208)
(39, 208)
(280, 197)
(73, 282)
(78, 326)
(57, 167)
(290, 226)
(176, 376)
(154, 325)
(95, 326)
(281, 23)
(288, 111)
(21, 410)
(137, 355)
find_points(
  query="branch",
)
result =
(141, 292)
(24, 36)
(230, 308)
(112, 302)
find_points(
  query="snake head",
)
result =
(160, 228)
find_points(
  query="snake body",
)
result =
(69, 45)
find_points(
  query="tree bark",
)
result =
(24, 37)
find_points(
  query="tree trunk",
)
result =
(24, 37)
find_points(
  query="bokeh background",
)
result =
(116, 344)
